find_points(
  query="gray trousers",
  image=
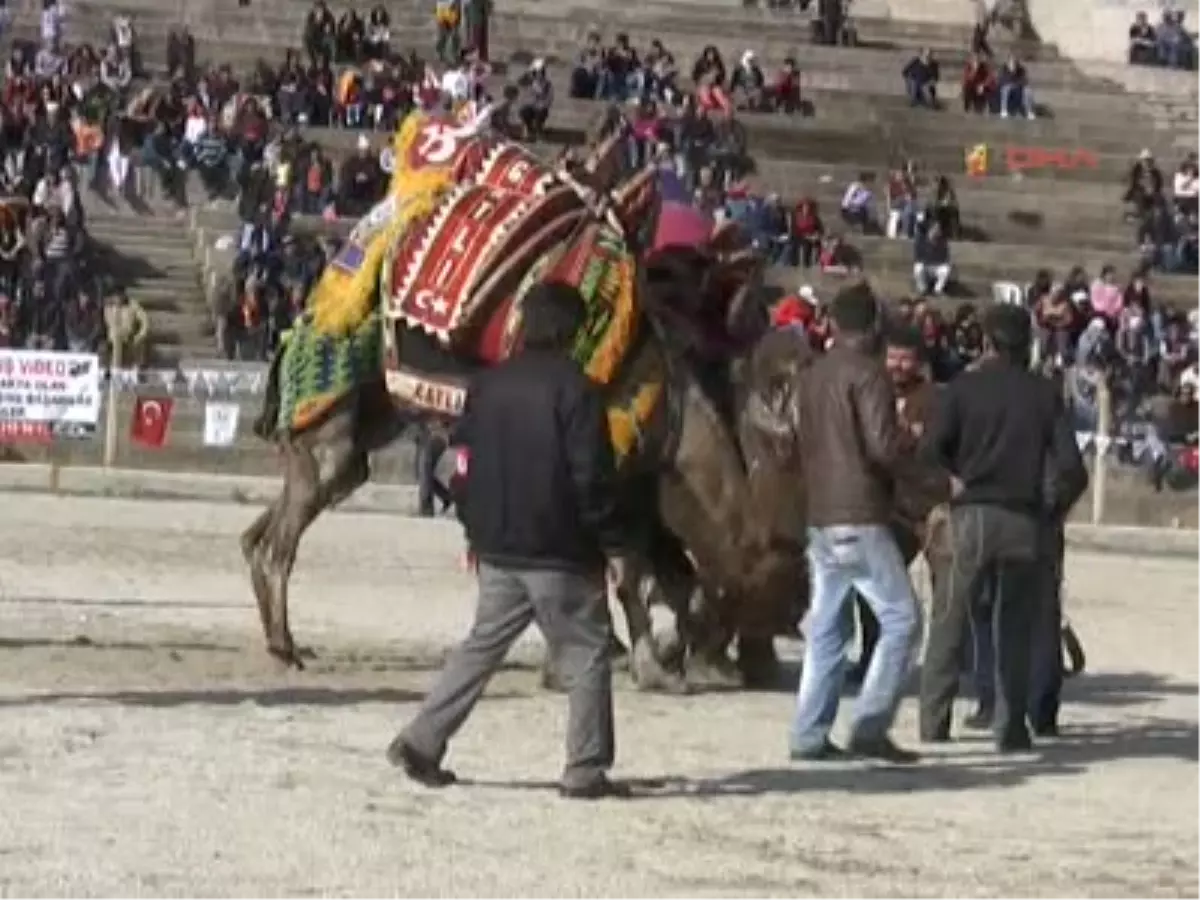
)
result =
(571, 609)
(995, 547)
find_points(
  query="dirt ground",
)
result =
(148, 747)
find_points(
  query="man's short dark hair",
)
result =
(1008, 330)
(855, 310)
(552, 313)
(905, 337)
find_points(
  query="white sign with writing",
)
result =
(58, 389)
(220, 423)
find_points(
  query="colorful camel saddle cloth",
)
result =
(610, 346)
(317, 369)
(431, 155)
(338, 345)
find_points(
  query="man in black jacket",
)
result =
(1001, 431)
(539, 505)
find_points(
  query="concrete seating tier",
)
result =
(151, 255)
(551, 35)
(225, 17)
(889, 262)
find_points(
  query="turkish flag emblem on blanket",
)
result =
(151, 419)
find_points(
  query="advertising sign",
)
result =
(46, 395)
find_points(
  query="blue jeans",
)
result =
(1024, 98)
(864, 557)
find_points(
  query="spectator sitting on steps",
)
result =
(587, 78)
(1186, 189)
(210, 152)
(931, 260)
(978, 85)
(748, 83)
(127, 327)
(1142, 41)
(361, 183)
(538, 95)
(858, 203)
(84, 322)
(1172, 42)
(785, 90)
(921, 77)
(1015, 92)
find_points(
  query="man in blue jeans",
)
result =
(851, 440)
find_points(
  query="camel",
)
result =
(680, 457)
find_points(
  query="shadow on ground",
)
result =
(282, 696)
(976, 767)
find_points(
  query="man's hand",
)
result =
(617, 572)
(956, 486)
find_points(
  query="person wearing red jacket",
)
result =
(978, 85)
(808, 231)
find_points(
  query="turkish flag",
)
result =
(151, 418)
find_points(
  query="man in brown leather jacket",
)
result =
(855, 452)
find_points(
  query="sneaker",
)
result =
(417, 767)
(826, 752)
(884, 749)
(600, 788)
(1004, 113)
(1031, 115)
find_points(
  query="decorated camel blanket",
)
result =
(467, 227)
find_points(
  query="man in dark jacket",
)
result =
(1001, 431)
(856, 451)
(538, 504)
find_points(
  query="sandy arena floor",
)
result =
(148, 747)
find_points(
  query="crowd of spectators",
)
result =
(1167, 44)
(88, 108)
(58, 103)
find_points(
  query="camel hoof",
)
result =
(289, 656)
(649, 674)
(719, 673)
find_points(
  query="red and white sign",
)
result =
(513, 168)
(439, 263)
(444, 144)
(43, 394)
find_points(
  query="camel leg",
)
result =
(316, 479)
(649, 673)
(251, 541)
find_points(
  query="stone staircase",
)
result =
(150, 251)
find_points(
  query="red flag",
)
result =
(151, 418)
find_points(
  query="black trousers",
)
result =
(1000, 548)
(1046, 650)
(430, 447)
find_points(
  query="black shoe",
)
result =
(1046, 729)
(598, 789)
(1019, 742)
(417, 767)
(882, 748)
(827, 752)
(981, 719)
